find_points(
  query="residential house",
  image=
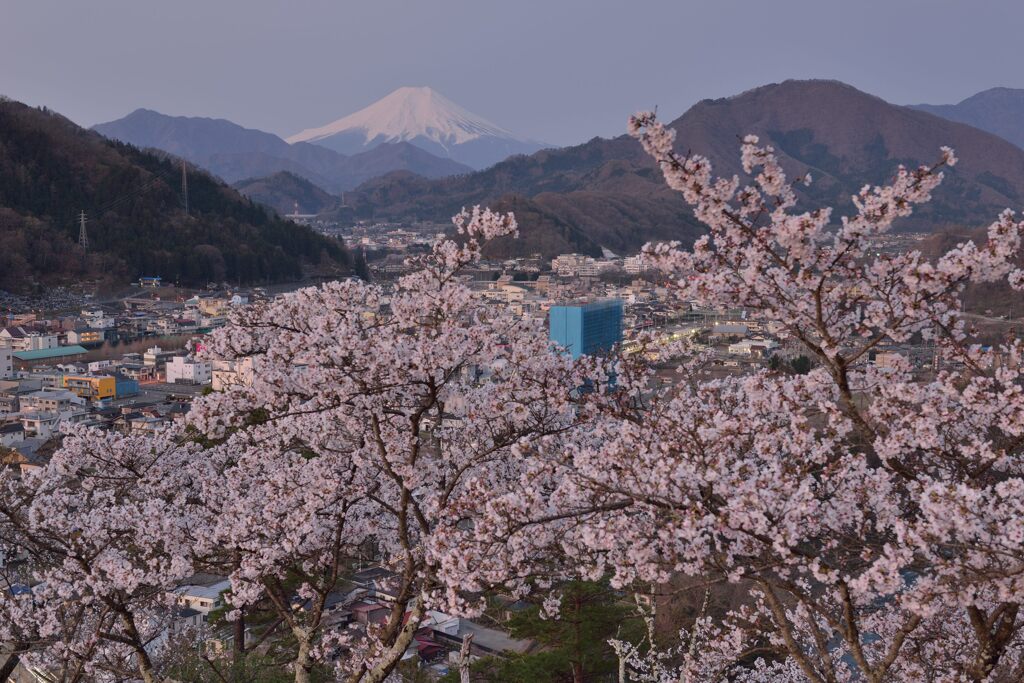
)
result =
(157, 357)
(138, 371)
(11, 434)
(202, 593)
(486, 641)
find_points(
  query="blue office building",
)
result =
(587, 329)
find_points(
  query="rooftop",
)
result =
(56, 352)
(212, 591)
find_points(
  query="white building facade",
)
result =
(187, 370)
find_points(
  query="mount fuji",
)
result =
(427, 119)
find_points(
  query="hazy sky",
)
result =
(560, 71)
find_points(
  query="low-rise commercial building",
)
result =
(91, 387)
(182, 370)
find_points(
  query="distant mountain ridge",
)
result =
(610, 193)
(996, 110)
(235, 153)
(50, 169)
(425, 118)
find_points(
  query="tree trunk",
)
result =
(303, 658)
(146, 670)
(8, 667)
(144, 663)
(238, 647)
(992, 638)
(467, 646)
(393, 654)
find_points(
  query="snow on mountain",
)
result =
(408, 113)
(426, 119)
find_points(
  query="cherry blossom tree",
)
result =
(872, 514)
(370, 412)
(91, 544)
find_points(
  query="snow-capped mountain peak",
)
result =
(406, 114)
(425, 118)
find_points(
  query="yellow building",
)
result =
(91, 387)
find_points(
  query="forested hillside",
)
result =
(51, 169)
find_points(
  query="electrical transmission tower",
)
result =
(184, 185)
(83, 236)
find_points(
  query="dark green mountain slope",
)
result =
(50, 169)
(284, 192)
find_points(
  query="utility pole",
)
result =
(83, 237)
(184, 185)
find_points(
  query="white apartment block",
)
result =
(634, 265)
(18, 339)
(6, 362)
(569, 264)
(187, 370)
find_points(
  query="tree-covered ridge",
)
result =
(50, 169)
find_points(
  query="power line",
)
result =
(131, 194)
